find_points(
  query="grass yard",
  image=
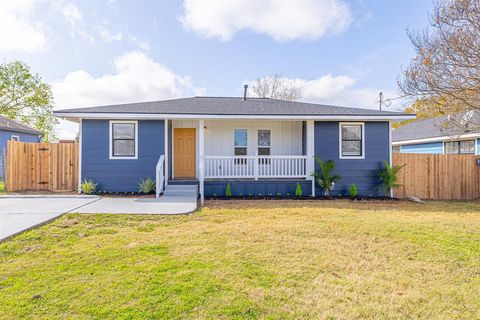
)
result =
(263, 259)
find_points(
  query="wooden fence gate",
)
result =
(438, 176)
(42, 166)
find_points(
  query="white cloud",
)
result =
(340, 90)
(74, 18)
(19, 30)
(109, 36)
(337, 90)
(283, 20)
(136, 77)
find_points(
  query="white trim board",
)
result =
(110, 144)
(438, 139)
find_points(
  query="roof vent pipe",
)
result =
(245, 87)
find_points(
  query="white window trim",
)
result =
(235, 146)
(340, 124)
(259, 146)
(13, 137)
(110, 140)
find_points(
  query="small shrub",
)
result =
(353, 190)
(3, 187)
(298, 190)
(89, 186)
(146, 186)
(228, 190)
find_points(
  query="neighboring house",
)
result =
(260, 146)
(459, 134)
(14, 130)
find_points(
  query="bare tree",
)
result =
(276, 87)
(446, 68)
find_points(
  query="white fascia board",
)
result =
(143, 116)
(437, 139)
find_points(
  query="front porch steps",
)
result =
(180, 190)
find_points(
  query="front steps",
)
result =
(181, 190)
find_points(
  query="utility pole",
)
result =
(380, 100)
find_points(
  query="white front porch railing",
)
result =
(160, 176)
(256, 167)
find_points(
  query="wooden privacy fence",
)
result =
(438, 176)
(42, 166)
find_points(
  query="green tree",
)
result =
(26, 98)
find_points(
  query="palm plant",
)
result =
(324, 176)
(389, 177)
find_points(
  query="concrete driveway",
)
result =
(20, 213)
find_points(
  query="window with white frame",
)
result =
(352, 140)
(14, 138)
(460, 147)
(264, 142)
(240, 142)
(397, 149)
(123, 139)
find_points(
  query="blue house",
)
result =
(14, 130)
(457, 134)
(259, 146)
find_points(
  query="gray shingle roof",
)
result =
(438, 127)
(230, 106)
(15, 126)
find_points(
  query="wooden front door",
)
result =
(184, 152)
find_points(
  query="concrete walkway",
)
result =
(21, 213)
(177, 199)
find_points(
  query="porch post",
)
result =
(201, 153)
(311, 152)
(166, 152)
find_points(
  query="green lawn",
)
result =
(264, 259)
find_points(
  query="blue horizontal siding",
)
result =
(257, 188)
(362, 172)
(429, 148)
(120, 175)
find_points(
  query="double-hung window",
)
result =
(123, 140)
(264, 142)
(240, 137)
(460, 147)
(352, 140)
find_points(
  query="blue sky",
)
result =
(101, 52)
